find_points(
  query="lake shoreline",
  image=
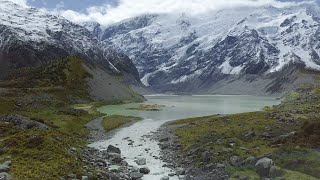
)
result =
(235, 146)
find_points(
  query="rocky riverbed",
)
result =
(184, 163)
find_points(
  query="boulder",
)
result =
(115, 157)
(4, 176)
(134, 169)
(136, 175)
(250, 162)
(206, 156)
(141, 161)
(144, 170)
(8, 163)
(180, 171)
(275, 171)
(165, 178)
(84, 178)
(235, 161)
(113, 149)
(4, 168)
(263, 166)
(114, 168)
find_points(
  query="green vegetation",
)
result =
(39, 154)
(290, 132)
(113, 122)
(148, 107)
(46, 94)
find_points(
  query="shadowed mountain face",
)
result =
(31, 38)
(182, 53)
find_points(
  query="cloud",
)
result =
(107, 14)
(20, 2)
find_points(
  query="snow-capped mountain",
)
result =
(31, 37)
(188, 53)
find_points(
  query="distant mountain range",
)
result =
(31, 38)
(244, 50)
(247, 50)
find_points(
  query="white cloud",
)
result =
(107, 14)
(20, 2)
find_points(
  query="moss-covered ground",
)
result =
(148, 107)
(113, 122)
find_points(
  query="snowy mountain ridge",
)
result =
(32, 38)
(40, 31)
(177, 50)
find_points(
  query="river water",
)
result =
(176, 107)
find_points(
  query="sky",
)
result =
(107, 12)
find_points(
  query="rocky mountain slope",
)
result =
(250, 47)
(31, 38)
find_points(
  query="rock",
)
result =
(113, 176)
(250, 162)
(72, 176)
(263, 166)
(250, 135)
(115, 157)
(8, 163)
(141, 161)
(266, 135)
(113, 149)
(227, 150)
(235, 161)
(275, 171)
(72, 151)
(4, 176)
(206, 156)
(114, 168)
(4, 168)
(84, 178)
(144, 170)
(134, 169)
(23, 122)
(165, 178)
(220, 141)
(124, 163)
(164, 139)
(220, 166)
(136, 175)
(180, 171)
(188, 177)
(163, 146)
(171, 174)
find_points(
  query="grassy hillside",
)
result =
(47, 94)
(289, 133)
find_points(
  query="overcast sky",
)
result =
(110, 11)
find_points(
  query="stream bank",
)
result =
(140, 150)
